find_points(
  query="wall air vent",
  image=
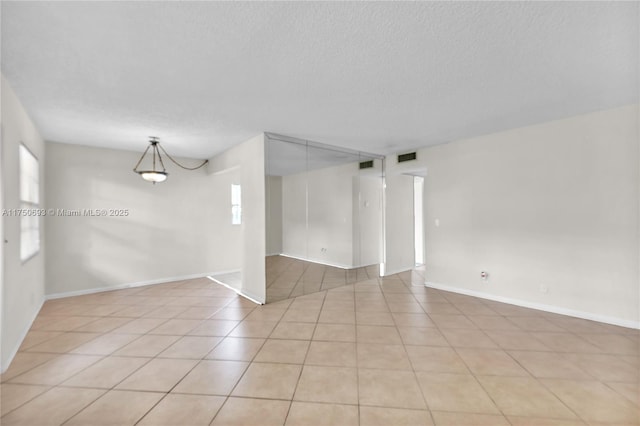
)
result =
(366, 164)
(406, 157)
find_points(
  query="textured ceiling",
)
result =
(378, 77)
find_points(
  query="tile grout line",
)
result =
(315, 326)
(404, 348)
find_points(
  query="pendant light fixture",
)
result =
(158, 172)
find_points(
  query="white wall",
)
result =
(3, 364)
(177, 228)
(294, 215)
(23, 283)
(367, 218)
(553, 205)
(248, 159)
(225, 237)
(326, 197)
(274, 214)
(399, 237)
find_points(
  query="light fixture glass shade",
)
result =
(153, 176)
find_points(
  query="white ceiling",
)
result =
(378, 77)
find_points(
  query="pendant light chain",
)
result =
(180, 165)
(142, 158)
(155, 146)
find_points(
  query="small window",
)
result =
(29, 203)
(236, 204)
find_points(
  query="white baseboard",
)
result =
(245, 294)
(397, 271)
(539, 306)
(231, 271)
(321, 262)
(131, 285)
(14, 351)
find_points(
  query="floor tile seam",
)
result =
(173, 317)
(249, 364)
(557, 397)
(304, 268)
(98, 318)
(636, 403)
(564, 355)
(357, 362)
(295, 389)
(159, 355)
(61, 384)
(26, 349)
(488, 394)
(440, 331)
(116, 349)
(49, 387)
(83, 408)
(33, 367)
(148, 358)
(262, 398)
(179, 336)
(486, 414)
(324, 402)
(243, 373)
(48, 390)
(456, 349)
(547, 349)
(634, 363)
(467, 373)
(415, 375)
(201, 321)
(75, 314)
(559, 354)
(226, 398)
(165, 392)
(164, 322)
(231, 300)
(11, 381)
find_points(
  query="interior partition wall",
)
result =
(324, 216)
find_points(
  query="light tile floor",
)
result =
(377, 352)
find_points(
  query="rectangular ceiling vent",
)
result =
(406, 157)
(366, 164)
